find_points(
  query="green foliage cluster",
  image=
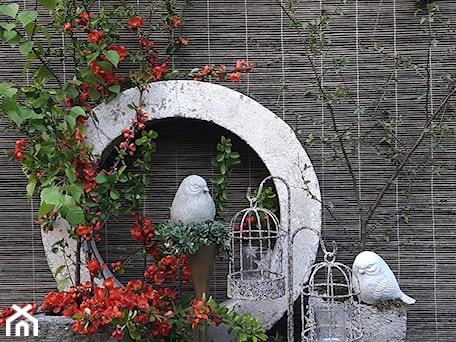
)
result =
(225, 160)
(179, 238)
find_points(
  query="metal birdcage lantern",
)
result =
(330, 307)
(255, 263)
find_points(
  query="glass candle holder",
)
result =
(330, 323)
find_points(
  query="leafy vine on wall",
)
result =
(61, 169)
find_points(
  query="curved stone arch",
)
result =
(270, 137)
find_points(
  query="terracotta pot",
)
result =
(201, 268)
(200, 265)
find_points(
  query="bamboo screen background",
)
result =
(420, 252)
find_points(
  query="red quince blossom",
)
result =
(135, 23)
(235, 76)
(176, 21)
(117, 334)
(95, 267)
(95, 36)
(8, 311)
(84, 18)
(18, 152)
(121, 50)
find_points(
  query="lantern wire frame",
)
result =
(330, 305)
(256, 253)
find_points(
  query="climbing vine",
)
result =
(51, 114)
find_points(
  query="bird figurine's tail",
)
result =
(407, 299)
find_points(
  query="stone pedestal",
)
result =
(385, 322)
(58, 329)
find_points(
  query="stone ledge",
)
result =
(58, 329)
(386, 322)
(382, 323)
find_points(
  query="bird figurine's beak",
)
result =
(206, 189)
(361, 271)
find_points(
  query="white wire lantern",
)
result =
(329, 303)
(255, 263)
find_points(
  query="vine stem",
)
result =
(330, 108)
(399, 168)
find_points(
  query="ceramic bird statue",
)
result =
(375, 280)
(192, 202)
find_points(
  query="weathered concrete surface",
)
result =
(58, 329)
(386, 322)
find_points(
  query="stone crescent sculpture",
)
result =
(376, 282)
(192, 202)
(269, 136)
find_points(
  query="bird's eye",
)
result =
(194, 188)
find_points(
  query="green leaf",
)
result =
(45, 208)
(75, 190)
(112, 56)
(52, 195)
(7, 26)
(27, 17)
(101, 178)
(10, 10)
(48, 4)
(70, 172)
(114, 89)
(7, 89)
(114, 194)
(71, 121)
(63, 284)
(234, 155)
(94, 94)
(26, 48)
(77, 111)
(21, 114)
(223, 168)
(9, 35)
(31, 187)
(43, 73)
(59, 270)
(75, 216)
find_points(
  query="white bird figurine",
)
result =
(192, 202)
(375, 280)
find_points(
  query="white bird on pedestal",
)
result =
(192, 202)
(375, 280)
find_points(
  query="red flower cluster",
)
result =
(221, 73)
(95, 268)
(95, 37)
(142, 229)
(167, 268)
(86, 170)
(89, 232)
(96, 34)
(120, 49)
(202, 312)
(7, 312)
(138, 124)
(84, 18)
(135, 23)
(18, 153)
(93, 307)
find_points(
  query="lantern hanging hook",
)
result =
(329, 256)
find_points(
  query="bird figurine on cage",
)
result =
(375, 280)
(192, 202)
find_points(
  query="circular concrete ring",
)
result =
(269, 136)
